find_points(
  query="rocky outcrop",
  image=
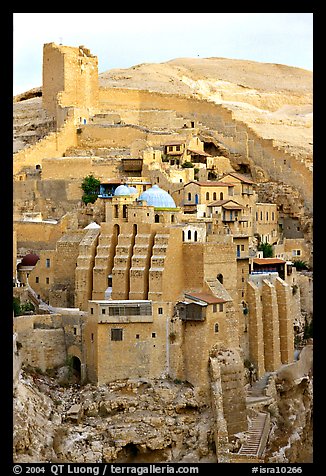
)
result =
(126, 421)
(290, 440)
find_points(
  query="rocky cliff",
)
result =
(127, 421)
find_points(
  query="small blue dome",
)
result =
(133, 190)
(158, 198)
(122, 190)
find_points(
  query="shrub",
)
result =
(90, 186)
(267, 250)
(187, 165)
(300, 265)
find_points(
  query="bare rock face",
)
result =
(127, 421)
(291, 438)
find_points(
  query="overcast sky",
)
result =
(122, 40)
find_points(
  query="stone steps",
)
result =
(257, 435)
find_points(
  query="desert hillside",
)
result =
(275, 100)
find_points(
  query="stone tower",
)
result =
(70, 78)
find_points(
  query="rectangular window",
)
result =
(160, 310)
(47, 263)
(214, 308)
(153, 334)
(116, 334)
(37, 279)
(47, 280)
(137, 336)
(92, 310)
(221, 307)
(242, 247)
(103, 310)
(92, 337)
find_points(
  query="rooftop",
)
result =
(268, 261)
(206, 297)
(211, 184)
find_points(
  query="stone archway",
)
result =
(76, 367)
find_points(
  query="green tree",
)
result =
(187, 165)
(267, 250)
(17, 307)
(90, 186)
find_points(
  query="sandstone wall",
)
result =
(53, 145)
(237, 135)
(42, 338)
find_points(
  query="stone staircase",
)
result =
(257, 435)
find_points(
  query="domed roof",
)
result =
(30, 259)
(158, 198)
(122, 190)
(133, 190)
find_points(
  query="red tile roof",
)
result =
(211, 184)
(228, 204)
(241, 177)
(209, 298)
(268, 261)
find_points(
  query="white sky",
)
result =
(122, 40)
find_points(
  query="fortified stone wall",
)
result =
(278, 164)
(53, 145)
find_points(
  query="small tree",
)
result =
(90, 186)
(267, 250)
(187, 165)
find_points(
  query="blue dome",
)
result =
(133, 190)
(158, 198)
(122, 190)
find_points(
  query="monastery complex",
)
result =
(161, 276)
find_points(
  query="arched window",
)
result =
(195, 235)
(220, 278)
(189, 234)
(172, 218)
(207, 195)
(157, 218)
(221, 196)
(214, 195)
(216, 327)
(189, 196)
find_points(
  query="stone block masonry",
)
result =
(271, 320)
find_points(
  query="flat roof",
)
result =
(119, 301)
(268, 261)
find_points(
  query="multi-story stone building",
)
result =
(160, 289)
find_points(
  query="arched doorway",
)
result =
(76, 367)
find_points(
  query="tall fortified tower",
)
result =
(70, 78)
